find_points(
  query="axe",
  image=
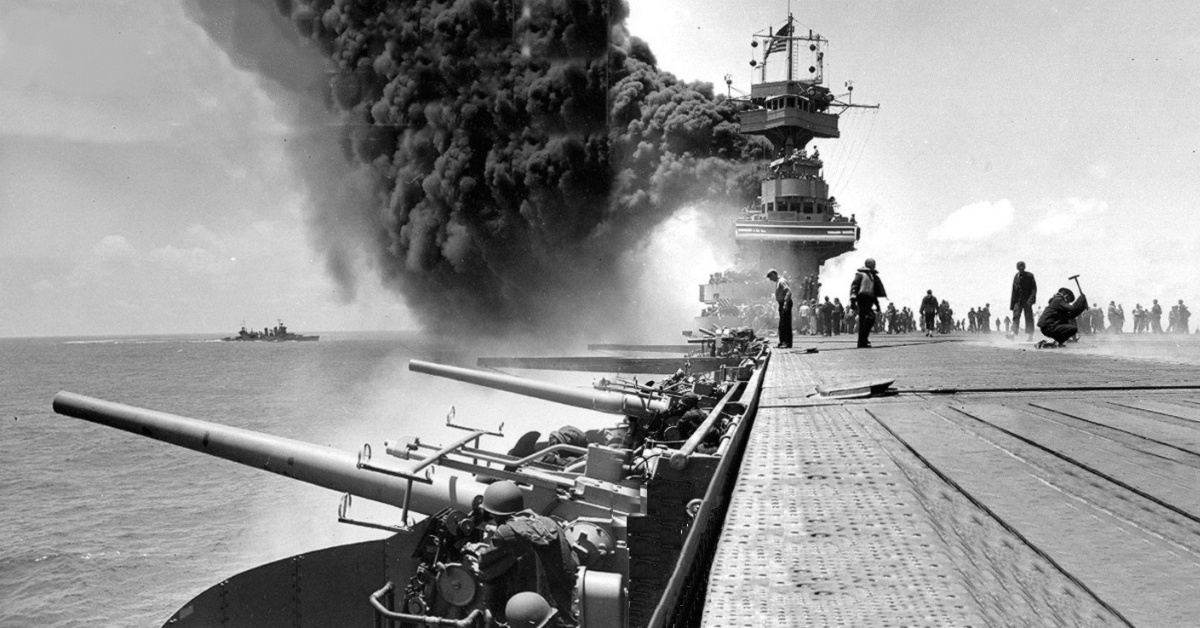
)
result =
(1076, 278)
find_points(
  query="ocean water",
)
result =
(99, 527)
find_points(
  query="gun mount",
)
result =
(600, 400)
(621, 510)
(306, 462)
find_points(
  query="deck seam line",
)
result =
(996, 517)
(1083, 466)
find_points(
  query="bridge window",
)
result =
(770, 207)
(808, 208)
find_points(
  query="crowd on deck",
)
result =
(825, 317)
(733, 276)
(1094, 320)
(816, 315)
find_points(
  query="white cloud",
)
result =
(202, 235)
(191, 261)
(1062, 215)
(114, 249)
(977, 221)
(111, 258)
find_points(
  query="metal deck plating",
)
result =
(1054, 488)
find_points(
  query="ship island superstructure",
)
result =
(794, 225)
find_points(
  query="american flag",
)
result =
(779, 41)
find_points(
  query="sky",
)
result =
(145, 185)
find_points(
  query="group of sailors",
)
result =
(786, 167)
(979, 320)
(732, 276)
(810, 289)
(823, 317)
(1146, 320)
(1111, 320)
(817, 317)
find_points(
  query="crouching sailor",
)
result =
(530, 552)
(1057, 321)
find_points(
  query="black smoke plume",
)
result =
(511, 154)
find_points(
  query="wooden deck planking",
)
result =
(1068, 508)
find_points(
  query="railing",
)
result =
(682, 602)
(679, 458)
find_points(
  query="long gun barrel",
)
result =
(324, 466)
(600, 400)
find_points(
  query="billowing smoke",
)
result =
(510, 153)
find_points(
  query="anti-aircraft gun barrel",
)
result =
(324, 466)
(601, 400)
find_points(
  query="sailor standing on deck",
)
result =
(1024, 295)
(1115, 320)
(865, 292)
(929, 306)
(783, 296)
(825, 317)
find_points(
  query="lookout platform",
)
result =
(998, 485)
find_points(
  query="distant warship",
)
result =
(278, 333)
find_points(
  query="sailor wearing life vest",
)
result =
(865, 292)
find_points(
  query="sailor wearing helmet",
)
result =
(530, 552)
